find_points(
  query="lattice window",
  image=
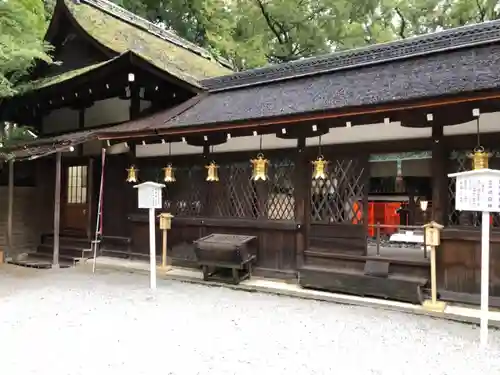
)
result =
(459, 162)
(185, 196)
(77, 184)
(236, 195)
(280, 203)
(339, 198)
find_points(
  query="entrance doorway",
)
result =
(76, 200)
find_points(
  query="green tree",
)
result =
(251, 33)
(22, 27)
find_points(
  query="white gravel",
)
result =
(72, 322)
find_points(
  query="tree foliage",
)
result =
(251, 33)
(22, 27)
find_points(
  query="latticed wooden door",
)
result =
(339, 206)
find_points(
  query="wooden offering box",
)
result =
(217, 253)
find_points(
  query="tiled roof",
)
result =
(451, 72)
(447, 40)
(122, 31)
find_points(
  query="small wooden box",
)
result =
(432, 236)
(166, 221)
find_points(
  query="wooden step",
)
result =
(48, 257)
(69, 252)
(398, 287)
(69, 241)
(35, 260)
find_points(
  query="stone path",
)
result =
(70, 322)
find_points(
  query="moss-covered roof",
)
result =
(120, 36)
(53, 80)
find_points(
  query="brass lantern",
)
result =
(212, 172)
(132, 174)
(168, 173)
(479, 158)
(259, 166)
(319, 168)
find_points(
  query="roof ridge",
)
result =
(142, 23)
(419, 45)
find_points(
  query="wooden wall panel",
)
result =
(120, 198)
(459, 262)
(275, 248)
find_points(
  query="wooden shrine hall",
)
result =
(331, 136)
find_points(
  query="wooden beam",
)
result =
(57, 211)
(81, 126)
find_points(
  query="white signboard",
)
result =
(477, 190)
(149, 194)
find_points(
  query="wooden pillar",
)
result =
(439, 177)
(10, 210)
(57, 211)
(206, 186)
(302, 180)
(81, 126)
(135, 101)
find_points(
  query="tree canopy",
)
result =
(251, 33)
(22, 27)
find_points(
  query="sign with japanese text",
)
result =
(477, 190)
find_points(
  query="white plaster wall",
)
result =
(488, 123)
(60, 120)
(107, 111)
(103, 112)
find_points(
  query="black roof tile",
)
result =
(465, 70)
(447, 40)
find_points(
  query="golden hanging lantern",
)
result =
(480, 158)
(319, 168)
(212, 172)
(259, 166)
(168, 173)
(132, 174)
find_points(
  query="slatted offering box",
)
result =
(217, 253)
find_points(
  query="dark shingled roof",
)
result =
(447, 40)
(120, 31)
(464, 70)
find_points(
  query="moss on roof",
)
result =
(53, 80)
(121, 36)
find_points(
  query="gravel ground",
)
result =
(71, 322)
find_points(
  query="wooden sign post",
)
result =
(432, 238)
(479, 190)
(150, 198)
